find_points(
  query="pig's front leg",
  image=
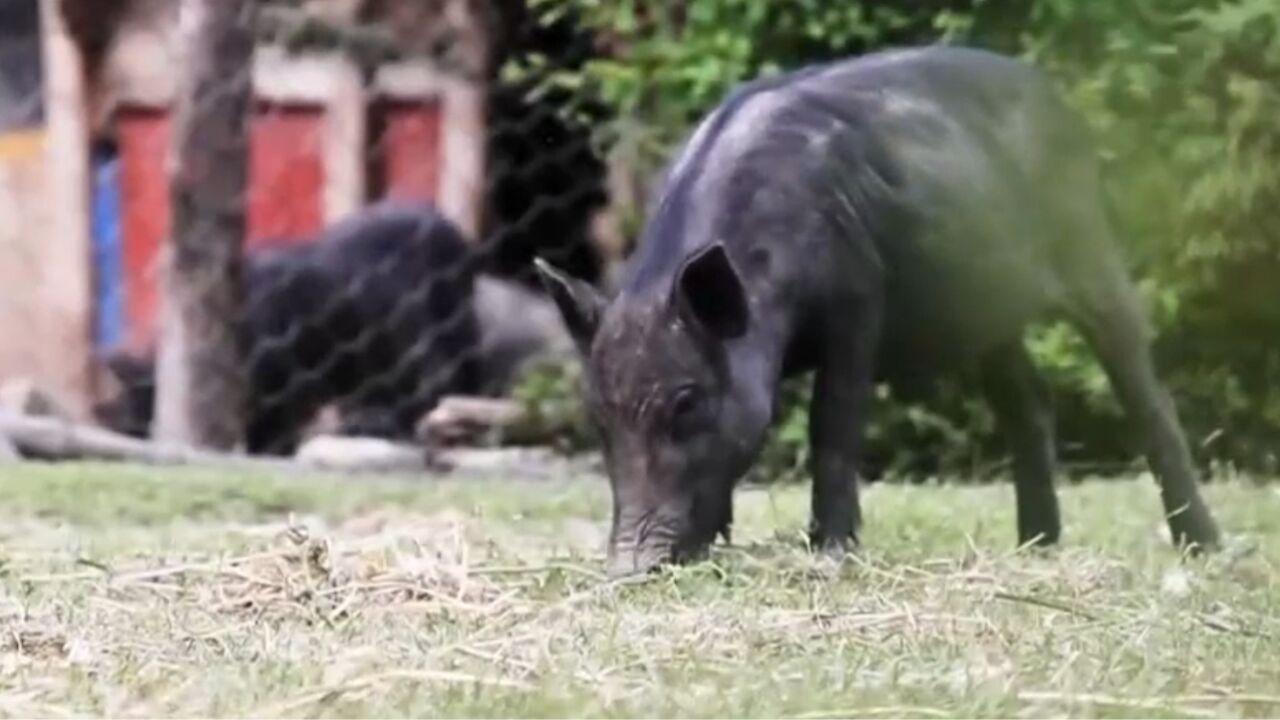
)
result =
(842, 394)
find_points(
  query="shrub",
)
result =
(1183, 98)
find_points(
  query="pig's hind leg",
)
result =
(1104, 305)
(1020, 401)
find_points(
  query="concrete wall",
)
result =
(23, 234)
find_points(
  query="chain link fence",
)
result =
(318, 218)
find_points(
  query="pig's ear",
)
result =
(580, 304)
(710, 292)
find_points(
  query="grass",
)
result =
(129, 592)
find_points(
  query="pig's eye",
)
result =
(686, 412)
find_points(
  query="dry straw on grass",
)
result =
(397, 610)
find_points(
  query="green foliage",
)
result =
(551, 395)
(675, 60)
(905, 438)
(785, 456)
(1183, 97)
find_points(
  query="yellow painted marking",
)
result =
(21, 144)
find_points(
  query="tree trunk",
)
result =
(202, 376)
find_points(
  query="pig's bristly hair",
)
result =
(661, 244)
(662, 247)
(810, 149)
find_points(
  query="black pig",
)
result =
(906, 212)
(375, 316)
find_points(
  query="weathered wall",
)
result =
(23, 231)
(21, 185)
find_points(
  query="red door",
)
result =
(410, 149)
(285, 196)
(286, 203)
(143, 137)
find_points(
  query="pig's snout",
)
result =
(633, 562)
(639, 561)
(643, 541)
(632, 555)
(645, 552)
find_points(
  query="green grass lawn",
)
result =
(128, 592)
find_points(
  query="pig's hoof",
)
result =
(1194, 532)
(833, 547)
(1038, 542)
(830, 557)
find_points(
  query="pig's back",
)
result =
(943, 164)
(975, 146)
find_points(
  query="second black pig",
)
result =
(376, 316)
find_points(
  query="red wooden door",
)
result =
(143, 138)
(286, 196)
(410, 149)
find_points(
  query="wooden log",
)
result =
(54, 439)
(524, 463)
(8, 451)
(24, 397)
(460, 419)
(467, 420)
(361, 454)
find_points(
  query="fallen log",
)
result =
(24, 397)
(490, 422)
(52, 439)
(46, 438)
(8, 453)
(361, 454)
(466, 420)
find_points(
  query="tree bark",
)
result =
(201, 374)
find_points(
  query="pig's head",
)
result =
(679, 400)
